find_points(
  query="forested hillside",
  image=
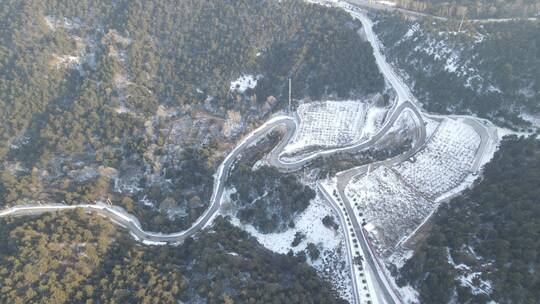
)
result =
(80, 258)
(491, 70)
(118, 100)
(474, 8)
(268, 199)
(484, 244)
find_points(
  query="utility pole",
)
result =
(290, 96)
(368, 169)
(461, 23)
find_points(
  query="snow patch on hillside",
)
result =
(244, 82)
(331, 264)
(374, 120)
(309, 223)
(448, 50)
(534, 119)
(54, 23)
(475, 283)
(83, 56)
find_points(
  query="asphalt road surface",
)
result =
(132, 224)
(385, 292)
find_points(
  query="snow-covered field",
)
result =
(444, 162)
(332, 263)
(384, 201)
(395, 201)
(335, 123)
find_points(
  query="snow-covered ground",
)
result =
(362, 273)
(534, 119)
(406, 121)
(443, 49)
(84, 52)
(332, 264)
(408, 294)
(374, 120)
(405, 129)
(384, 2)
(335, 123)
(394, 209)
(243, 83)
(54, 23)
(470, 278)
(395, 201)
(444, 162)
(475, 283)
(431, 127)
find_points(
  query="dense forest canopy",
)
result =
(491, 70)
(474, 8)
(268, 199)
(493, 229)
(82, 258)
(99, 100)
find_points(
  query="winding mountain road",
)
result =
(127, 220)
(132, 224)
(290, 123)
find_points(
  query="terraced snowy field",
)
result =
(444, 162)
(394, 201)
(335, 123)
(392, 208)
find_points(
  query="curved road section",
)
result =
(121, 217)
(382, 284)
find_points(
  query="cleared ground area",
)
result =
(445, 161)
(392, 209)
(393, 201)
(335, 123)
